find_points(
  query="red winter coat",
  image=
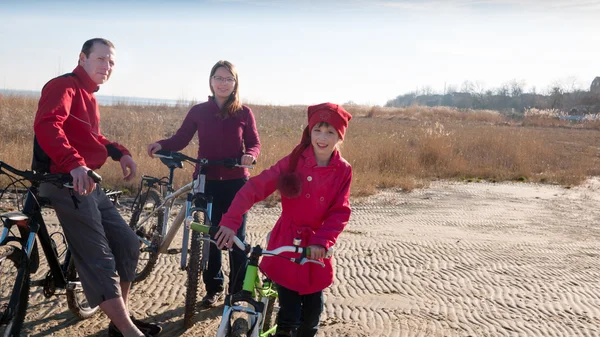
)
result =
(317, 216)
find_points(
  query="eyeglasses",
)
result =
(228, 80)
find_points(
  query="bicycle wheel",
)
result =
(150, 231)
(239, 328)
(193, 275)
(14, 277)
(76, 299)
(270, 317)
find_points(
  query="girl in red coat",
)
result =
(314, 182)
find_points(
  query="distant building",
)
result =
(595, 87)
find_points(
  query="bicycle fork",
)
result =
(186, 229)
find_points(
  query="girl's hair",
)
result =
(233, 103)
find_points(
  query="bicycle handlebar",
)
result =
(227, 162)
(246, 248)
(62, 178)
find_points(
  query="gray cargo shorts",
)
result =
(104, 247)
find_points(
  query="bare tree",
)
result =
(467, 87)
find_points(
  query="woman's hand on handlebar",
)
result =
(247, 159)
(224, 237)
(152, 148)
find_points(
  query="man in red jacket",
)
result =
(67, 133)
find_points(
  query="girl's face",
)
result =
(222, 83)
(323, 138)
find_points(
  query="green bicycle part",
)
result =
(198, 227)
(250, 278)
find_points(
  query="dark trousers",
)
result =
(223, 192)
(298, 314)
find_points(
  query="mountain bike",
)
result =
(19, 255)
(156, 233)
(253, 310)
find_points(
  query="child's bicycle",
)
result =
(253, 311)
(19, 255)
(154, 231)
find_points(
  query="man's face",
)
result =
(100, 63)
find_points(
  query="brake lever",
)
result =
(305, 260)
(156, 155)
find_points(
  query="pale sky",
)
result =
(305, 51)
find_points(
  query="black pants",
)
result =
(223, 192)
(299, 314)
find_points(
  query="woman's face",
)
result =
(222, 83)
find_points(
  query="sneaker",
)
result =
(147, 329)
(210, 299)
(151, 329)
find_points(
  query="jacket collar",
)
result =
(86, 81)
(311, 161)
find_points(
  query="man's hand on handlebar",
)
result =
(152, 148)
(82, 183)
(224, 237)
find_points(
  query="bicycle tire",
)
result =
(270, 317)
(193, 275)
(78, 305)
(239, 328)
(151, 231)
(15, 257)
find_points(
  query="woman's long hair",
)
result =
(233, 103)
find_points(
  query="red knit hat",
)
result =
(289, 183)
(332, 114)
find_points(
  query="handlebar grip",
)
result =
(328, 253)
(163, 152)
(95, 176)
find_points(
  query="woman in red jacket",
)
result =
(314, 182)
(226, 129)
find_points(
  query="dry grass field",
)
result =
(387, 147)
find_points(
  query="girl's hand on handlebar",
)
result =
(152, 148)
(224, 237)
(317, 252)
(247, 159)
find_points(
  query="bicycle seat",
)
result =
(172, 163)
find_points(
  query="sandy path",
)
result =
(451, 260)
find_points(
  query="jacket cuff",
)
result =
(74, 165)
(114, 152)
(320, 241)
(225, 222)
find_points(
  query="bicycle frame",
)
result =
(31, 217)
(253, 287)
(255, 309)
(193, 189)
(31, 223)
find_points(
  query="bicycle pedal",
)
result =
(173, 251)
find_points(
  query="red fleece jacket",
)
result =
(67, 124)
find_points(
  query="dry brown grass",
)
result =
(387, 147)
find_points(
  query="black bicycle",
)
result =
(19, 255)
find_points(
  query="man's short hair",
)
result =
(87, 46)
